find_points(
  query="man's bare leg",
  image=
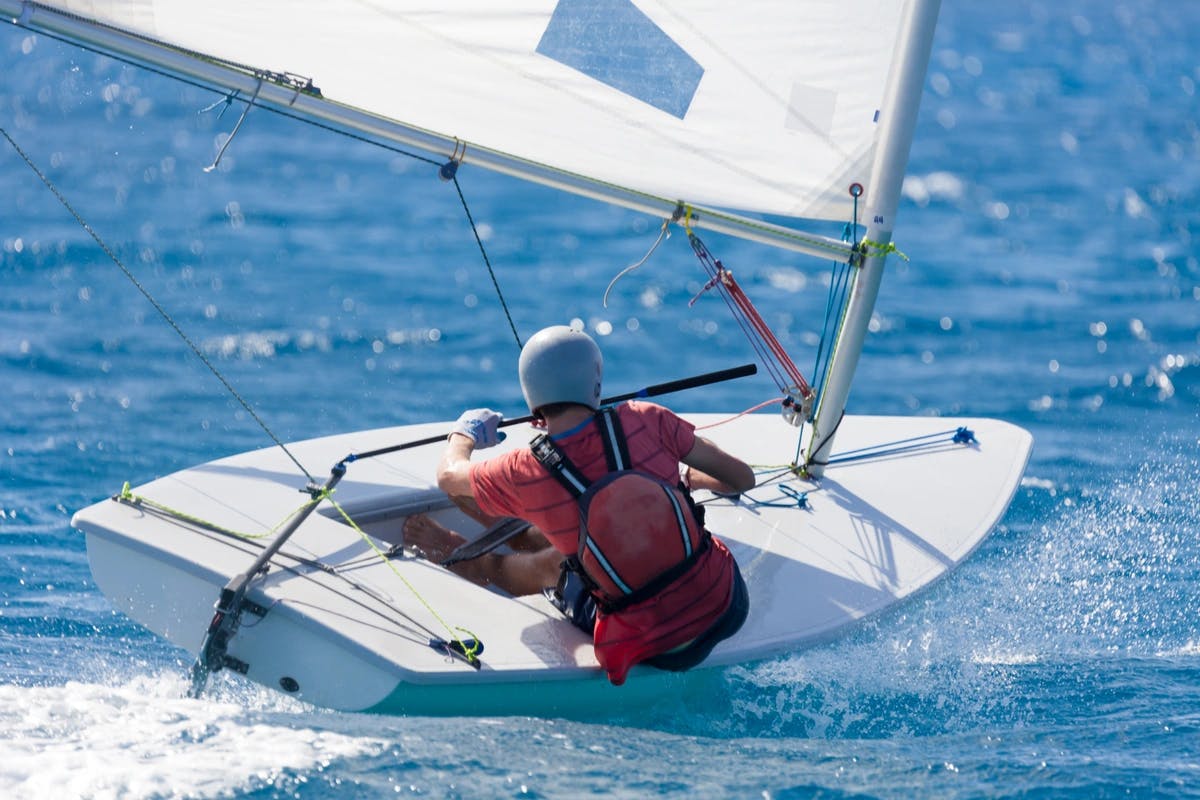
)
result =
(530, 540)
(436, 541)
(518, 573)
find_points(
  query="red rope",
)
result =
(774, 401)
(764, 332)
(752, 323)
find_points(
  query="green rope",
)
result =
(880, 249)
(470, 652)
(126, 495)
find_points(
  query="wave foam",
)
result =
(144, 739)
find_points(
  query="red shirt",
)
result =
(515, 484)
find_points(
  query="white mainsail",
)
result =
(766, 106)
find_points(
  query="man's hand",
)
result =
(482, 426)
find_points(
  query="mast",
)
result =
(902, 100)
(293, 98)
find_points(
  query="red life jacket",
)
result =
(658, 577)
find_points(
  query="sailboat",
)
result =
(750, 120)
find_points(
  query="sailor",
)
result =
(650, 585)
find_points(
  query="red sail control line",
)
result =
(760, 327)
(775, 358)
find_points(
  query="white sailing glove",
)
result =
(482, 425)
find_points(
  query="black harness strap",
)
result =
(616, 456)
(563, 470)
(616, 449)
(660, 581)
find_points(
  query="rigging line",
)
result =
(145, 293)
(340, 132)
(403, 621)
(822, 443)
(127, 496)
(250, 546)
(959, 435)
(227, 100)
(727, 420)
(766, 346)
(886, 446)
(799, 445)
(236, 128)
(776, 475)
(664, 233)
(756, 344)
(836, 301)
(469, 652)
(462, 198)
(406, 627)
(838, 292)
(945, 444)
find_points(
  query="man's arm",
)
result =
(710, 467)
(454, 470)
(478, 427)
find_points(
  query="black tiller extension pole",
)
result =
(650, 391)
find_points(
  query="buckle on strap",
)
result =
(545, 451)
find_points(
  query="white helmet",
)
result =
(560, 365)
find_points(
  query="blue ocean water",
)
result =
(1050, 218)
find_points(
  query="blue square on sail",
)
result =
(615, 43)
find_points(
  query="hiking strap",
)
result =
(496, 535)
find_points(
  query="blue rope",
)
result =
(838, 288)
(957, 436)
(801, 498)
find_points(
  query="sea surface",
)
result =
(1051, 218)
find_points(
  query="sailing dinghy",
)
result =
(706, 119)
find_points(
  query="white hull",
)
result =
(872, 532)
